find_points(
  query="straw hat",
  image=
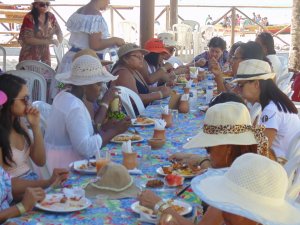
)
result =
(130, 47)
(115, 182)
(86, 70)
(253, 69)
(225, 124)
(3, 98)
(254, 187)
(156, 45)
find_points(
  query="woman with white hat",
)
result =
(279, 114)
(88, 29)
(252, 191)
(37, 31)
(227, 133)
(70, 134)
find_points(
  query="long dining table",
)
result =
(119, 212)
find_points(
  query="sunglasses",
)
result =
(25, 99)
(44, 4)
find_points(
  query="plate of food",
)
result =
(142, 121)
(179, 169)
(134, 138)
(181, 80)
(60, 203)
(181, 207)
(85, 166)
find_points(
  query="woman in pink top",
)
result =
(18, 147)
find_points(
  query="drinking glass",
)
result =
(174, 113)
(145, 158)
(104, 159)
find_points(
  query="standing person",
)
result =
(279, 114)
(20, 147)
(88, 30)
(37, 31)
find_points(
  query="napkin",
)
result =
(165, 109)
(189, 84)
(159, 124)
(135, 171)
(185, 97)
(126, 147)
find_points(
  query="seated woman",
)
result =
(20, 146)
(265, 39)
(131, 59)
(70, 134)
(246, 195)
(154, 71)
(216, 50)
(223, 145)
(17, 188)
(249, 50)
(279, 114)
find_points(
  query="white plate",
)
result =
(203, 108)
(137, 208)
(68, 206)
(136, 124)
(89, 170)
(161, 172)
(126, 134)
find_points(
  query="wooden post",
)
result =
(233, 22)
(146, 20)
(112, 21)
(173, 12)
(168, 18)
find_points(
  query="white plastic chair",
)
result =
(127, 96)
(4, 58)
(45, 110)
(284, 82)
(207, 33)
(184, 38)
(128, 31)
(192, 23)
(167, 38)
(36, 84)
(60, 50)
(41, 68)
(175, 61)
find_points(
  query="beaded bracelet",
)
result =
(21, 208)
(157, 206)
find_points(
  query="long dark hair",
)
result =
(152, 58)
(267, 41)
(35, 14)
(11, 85)
(270, 92)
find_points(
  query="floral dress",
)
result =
(46, 31)
(5, 189)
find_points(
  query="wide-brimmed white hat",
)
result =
(254, 187)
(86, 70)
(225, 124)
(253, 69)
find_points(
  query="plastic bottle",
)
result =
(193, 96)
(209, 89)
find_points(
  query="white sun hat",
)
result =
(254, 187)
(224, 124)
(253, 69)
(86, 70)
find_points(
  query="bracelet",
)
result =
(160, 94)
(104, 105)
(21, 208)
(163, 69)
(203, 160)
(163, 207)
(98, 126)
(157, 206)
